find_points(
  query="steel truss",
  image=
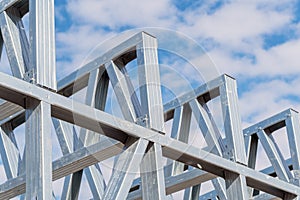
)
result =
(138, 142)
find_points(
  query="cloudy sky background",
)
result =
(255, 41)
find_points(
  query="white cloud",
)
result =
(75, 45)
(279, 60)
(229, 65)
(115, 13)
(268, 98)
(236, 22)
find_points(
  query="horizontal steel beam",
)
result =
(67, 165)
(178, 182)
(188, 179)
(208, 90)
(10, 110)
(217, 165)
(79, 79)
(15, 90)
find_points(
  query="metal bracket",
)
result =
(296, 174)
(29, 76)
(143, 121)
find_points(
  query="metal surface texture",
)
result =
(146, 159)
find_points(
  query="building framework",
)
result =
(138, 142)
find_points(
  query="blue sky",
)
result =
(255, 41)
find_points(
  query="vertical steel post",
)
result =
(38, 150)
(232, 121)
(38, 114)
(251, 142)
(42, 43)
(149, 82)
(235, 146)
(293, 131)
(152, 174)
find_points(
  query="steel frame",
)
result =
(138, 141)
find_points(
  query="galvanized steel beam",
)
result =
(232, 121)
(293, 132)
(176, 183)
(152, 174)
(38, 150)
(42, 43)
